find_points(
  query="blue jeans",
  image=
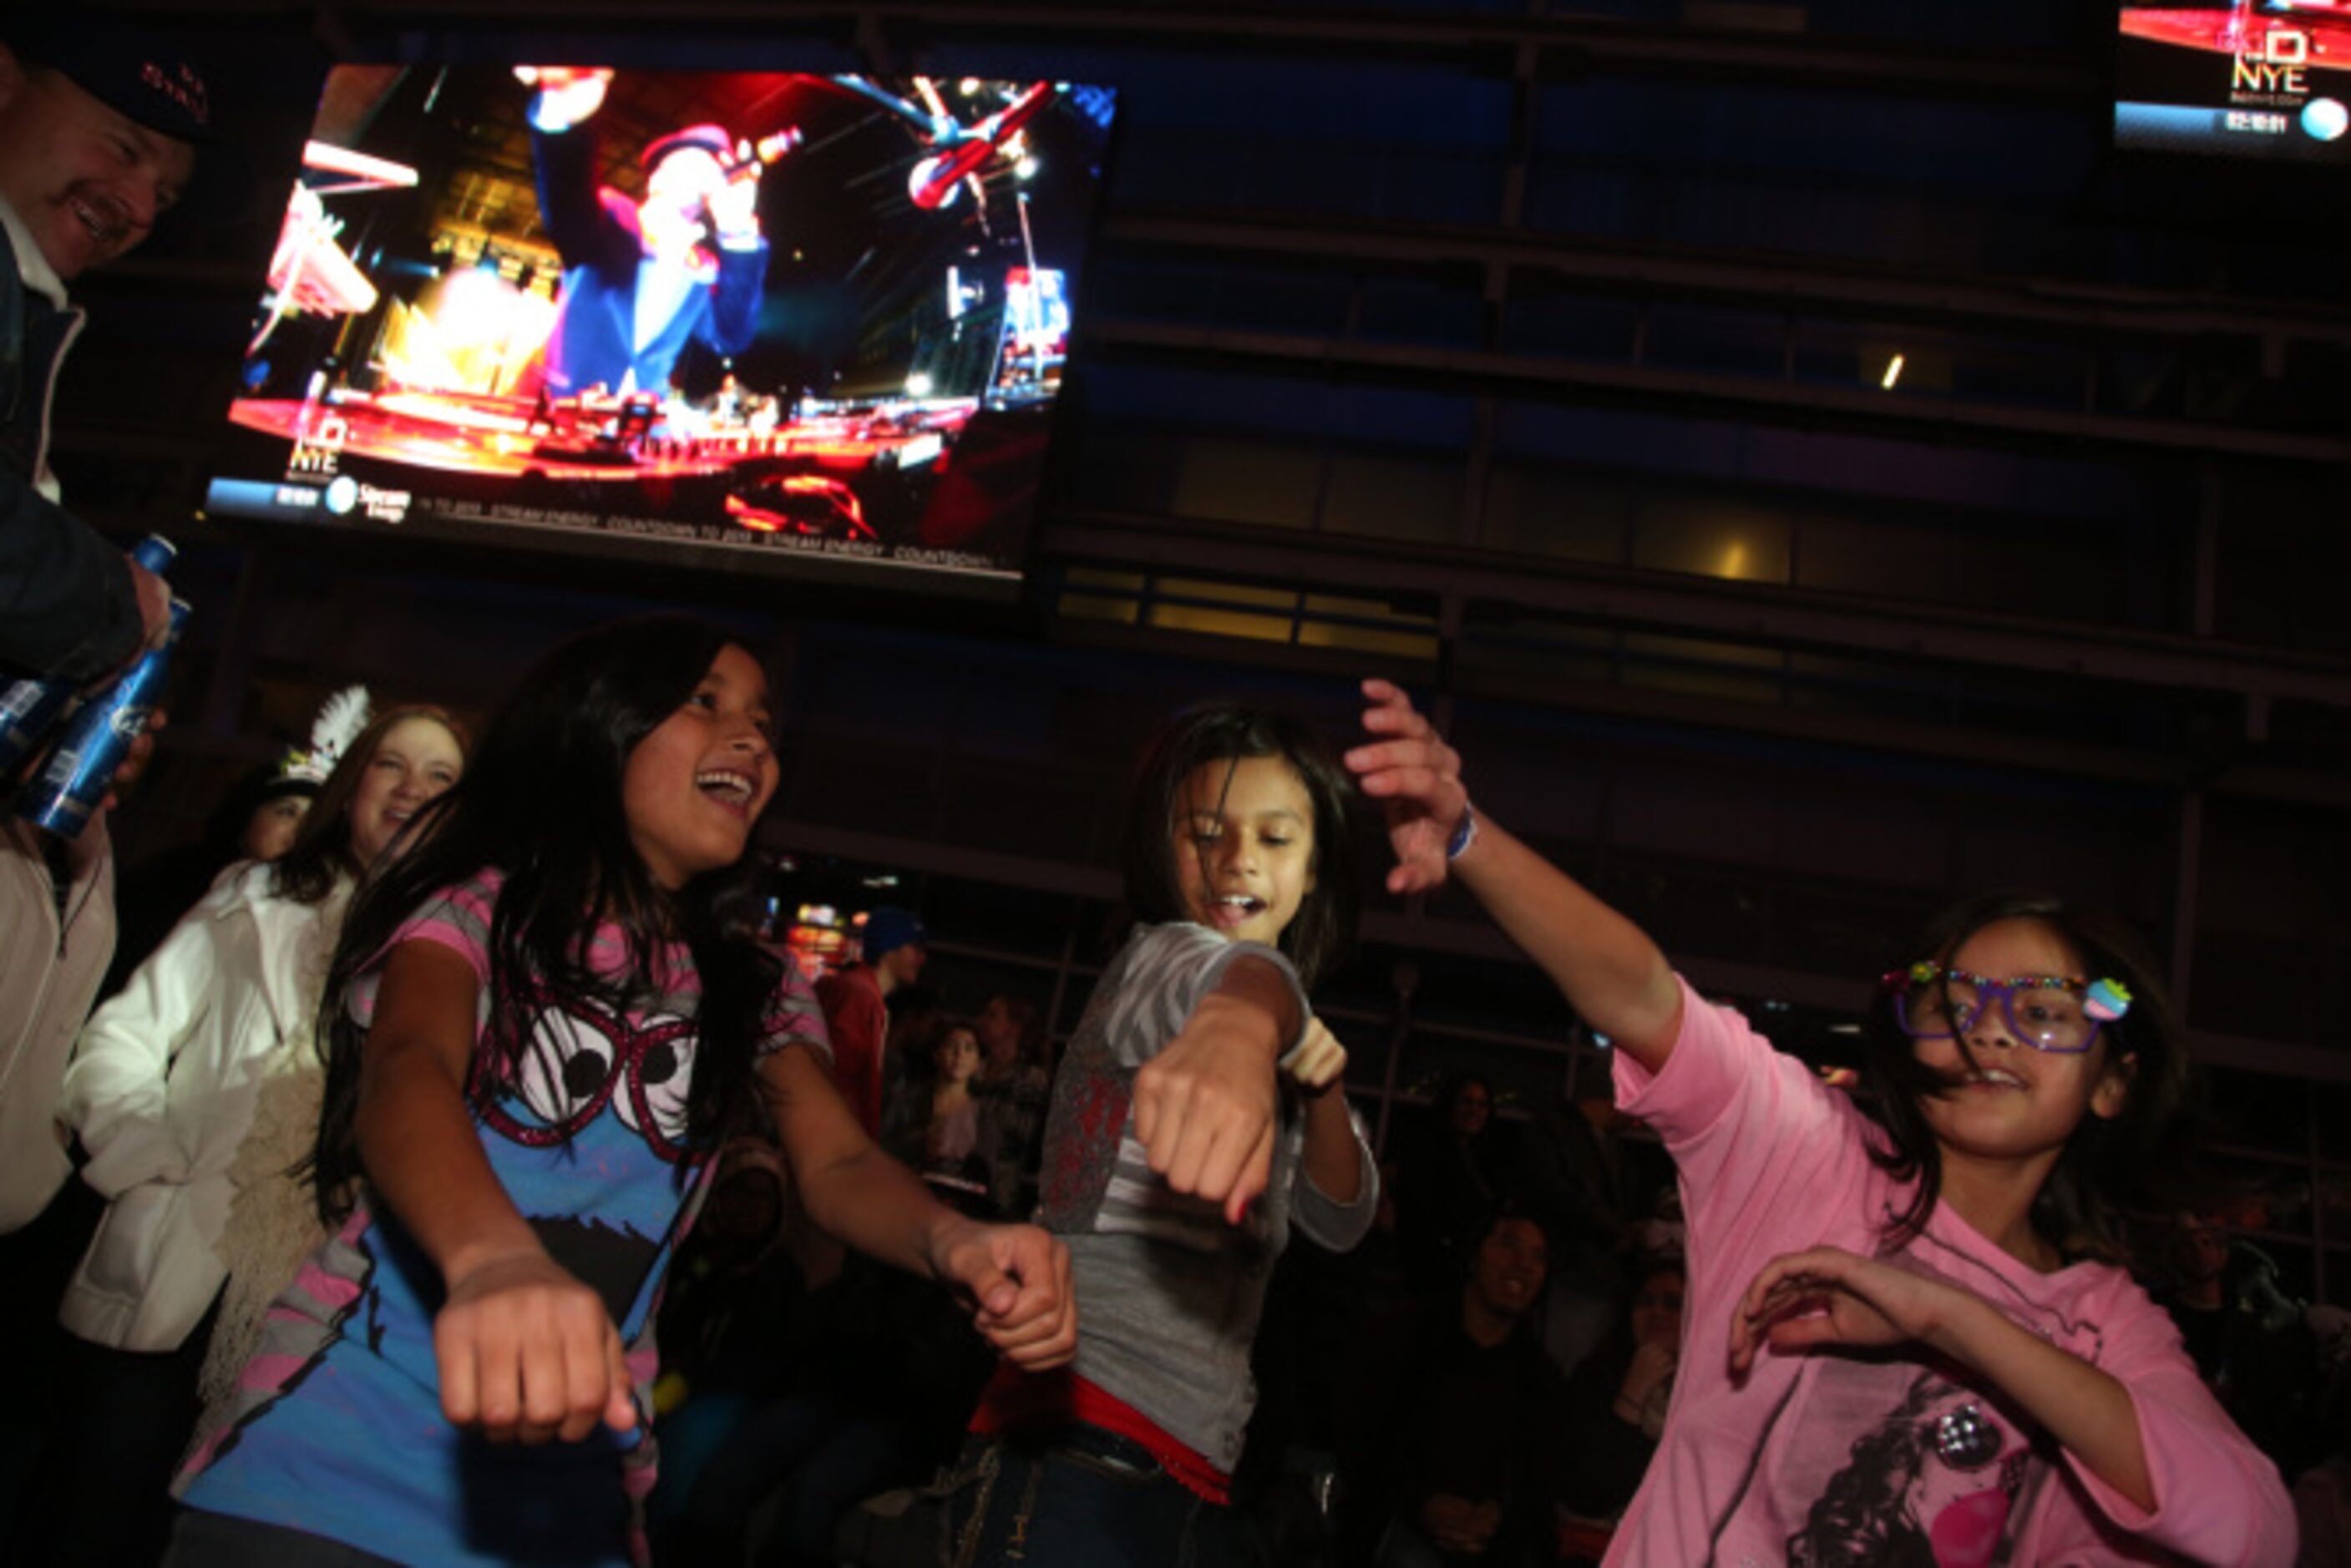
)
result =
(1082, 1498)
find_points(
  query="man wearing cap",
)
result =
(99, 126)
(892, 954)
(643, 279)
(99, 123)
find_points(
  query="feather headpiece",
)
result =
(341, 719)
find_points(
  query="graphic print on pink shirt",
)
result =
(1935, 1469)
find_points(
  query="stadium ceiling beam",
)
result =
(1825, 286)
(1748, 613)
(1559, 47)
(1867, 409)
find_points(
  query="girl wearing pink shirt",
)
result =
(1906, 1340)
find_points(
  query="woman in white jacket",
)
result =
(195, 1093)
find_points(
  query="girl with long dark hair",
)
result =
(544, 1021)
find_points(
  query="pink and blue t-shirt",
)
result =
(337, 1429)
(1858, 1458)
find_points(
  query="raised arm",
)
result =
(1017, 1276)
(1607, 968)
(525, 1350)
(734, 294)
(564, 159)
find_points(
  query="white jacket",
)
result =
(162, 1090)
(49, 973)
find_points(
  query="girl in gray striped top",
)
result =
(1196, 1119)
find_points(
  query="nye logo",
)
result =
(2272, 69)
(318, 451)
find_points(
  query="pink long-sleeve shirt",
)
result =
(1847, 1458)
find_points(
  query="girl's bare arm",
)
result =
(526, 1352)
(1017, 1276)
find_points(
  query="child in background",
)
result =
(195, 1093)
(1903, 1342)
(1196, 1083)
(1617, 1399)
(1013, 1089)
(549, 1015)
(951, 1132)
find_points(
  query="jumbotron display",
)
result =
(2253, 78)
(792, 323)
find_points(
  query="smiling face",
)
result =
(89, 182)
(2013, 1101)
(1507, 1272)
(415, 760)
(1244, 847)
(692, 787)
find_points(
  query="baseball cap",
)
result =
(149, 79)
(710, 139)
(155, 80)
(889, 927)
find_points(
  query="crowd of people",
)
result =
(460, 1178)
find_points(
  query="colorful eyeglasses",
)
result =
(2048, 1012)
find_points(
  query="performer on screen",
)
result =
(642, 279)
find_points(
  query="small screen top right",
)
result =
(2267, 80)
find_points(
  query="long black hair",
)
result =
(2139, 1155)
(541, 803)
(1324, 926)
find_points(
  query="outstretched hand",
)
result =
(526, 1354)
(1828, 1297)
(734, 204)
(1417, 779)
(1205, 1108)
(1018, 1280)
(567, 93)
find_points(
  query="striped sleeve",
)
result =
(1170, 969)
(793, 1013)
(456, 918)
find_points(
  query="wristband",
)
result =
(1464, 833)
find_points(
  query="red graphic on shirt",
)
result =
(579, 1059)
(1082, 1164)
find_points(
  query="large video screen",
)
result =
(2255, 79)
(805, 324)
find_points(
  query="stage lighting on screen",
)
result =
(809, 325)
